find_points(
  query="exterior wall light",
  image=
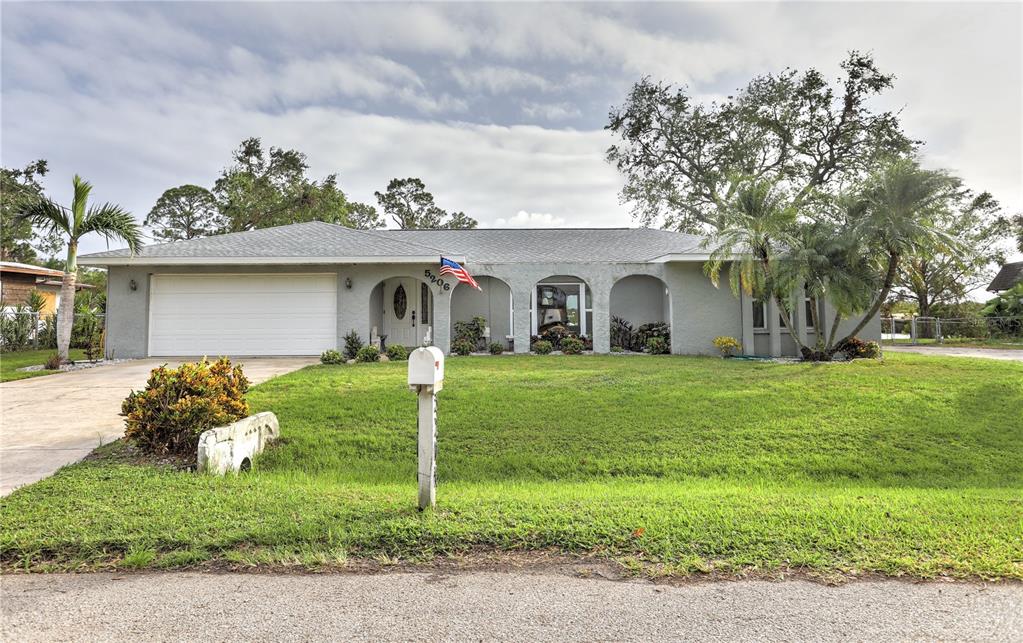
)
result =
(348, 283)
(132, 285)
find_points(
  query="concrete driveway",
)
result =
(1008, 354)
(50, 421)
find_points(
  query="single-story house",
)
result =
(18, 280)
(299, 289)
(1010, 275)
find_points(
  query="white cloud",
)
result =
(523, 219)
(550, 111)
(498, 79)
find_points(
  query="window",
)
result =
(424, 310)
(759, 314)
(808, 307)
(400, 302)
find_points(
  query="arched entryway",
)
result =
(401, 312)
(640, 305)
(562, 300)
(493, 302)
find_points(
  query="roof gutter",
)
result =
(88, 260)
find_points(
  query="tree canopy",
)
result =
(185, 212)
(411, 206)
(684, 160)
(19, 189)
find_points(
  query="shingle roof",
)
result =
(1010, 275)
(317, 240)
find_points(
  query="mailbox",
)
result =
(426, 368)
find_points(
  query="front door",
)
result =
(401, 312)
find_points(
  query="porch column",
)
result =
(774, 324)
(442, 320)
(521, 296)
(600, 290)
(746, 314)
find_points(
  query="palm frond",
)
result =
(80, 199)
(47, 216)
(113, 222)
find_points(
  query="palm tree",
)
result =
(754, 229)
(108, 220)
(897, 221)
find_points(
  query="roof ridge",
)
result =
(418, 246)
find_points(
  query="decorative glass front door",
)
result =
(560, 304)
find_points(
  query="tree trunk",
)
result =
(889, 279)
(66, 312)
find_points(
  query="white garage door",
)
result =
(280, 314)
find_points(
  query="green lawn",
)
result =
(11, 362)
(911, 466)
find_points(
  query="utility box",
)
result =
(426, 368)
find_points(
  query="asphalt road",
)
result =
(494, 606)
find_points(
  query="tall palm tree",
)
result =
(754, 229)
(900, 202)
(108, 220)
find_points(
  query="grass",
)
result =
(961, 342)
(911, 466)
(11, 362)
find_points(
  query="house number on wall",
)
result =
(435, 280)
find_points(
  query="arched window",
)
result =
(400, 302)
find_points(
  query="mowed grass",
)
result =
(11, 362)
(910, 466)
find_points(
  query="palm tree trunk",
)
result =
(889, 279)
(66, 313)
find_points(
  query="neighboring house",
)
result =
(17, 280)
(1010, 275)
(298, 289)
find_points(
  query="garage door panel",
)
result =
(286, 314)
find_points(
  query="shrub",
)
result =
(622, 334)
(367, 354)
(471, 331)
(555, 334)
(331, 357)
(352, 345)
(178, 404)
(52, 362)
(653, 329)
(657, 346)
(856, 348)
(542, 347)
(617, 349)
(462, 346)
(94, 350)
(727, 345)
(48, 332)
(16, 328)
(572, 346)
(495, 348)
(397, 353)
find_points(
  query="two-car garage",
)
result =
(242, 314)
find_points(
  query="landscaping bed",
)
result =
(667, 465)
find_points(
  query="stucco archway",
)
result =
(637, 300)
(401, 311)
(493, 302)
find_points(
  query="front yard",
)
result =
(911, 466)
(11, 362)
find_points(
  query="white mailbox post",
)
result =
(426, 376)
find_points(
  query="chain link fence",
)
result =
(1005, 332)
(24, 329)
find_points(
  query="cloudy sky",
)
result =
(499, 108)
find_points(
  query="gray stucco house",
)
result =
(298, 289)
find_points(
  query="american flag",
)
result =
(448, 267)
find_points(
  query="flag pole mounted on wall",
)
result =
(448, 267)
